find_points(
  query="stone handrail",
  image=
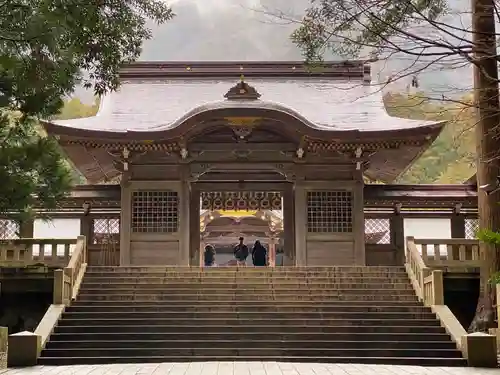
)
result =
(433, 289)
(67, 280)
(428, 285)
(416, 268)
(19, 253)
(459, 253)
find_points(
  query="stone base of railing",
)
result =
(480, 350)
(24, 350)
(495, 332)
(4, 343)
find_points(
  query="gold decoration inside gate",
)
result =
(241, 200)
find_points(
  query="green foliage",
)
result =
(347, 27)
(31, 166)
(45, 45)
(74, 108)
(451, 158)
(488, 236)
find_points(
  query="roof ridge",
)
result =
(348, 69)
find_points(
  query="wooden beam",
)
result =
(237, 228)
(240, 186)
(246, 176)
(199, 147)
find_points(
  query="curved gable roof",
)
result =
(322, 104)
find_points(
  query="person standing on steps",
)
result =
(241, 253)
(259, 255)
(209, 256)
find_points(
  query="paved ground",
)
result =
(246, 368)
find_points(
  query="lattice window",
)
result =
(155, 211)
(329, 211)
(471, 228)
(377, 231)
(9, 229)
(105, 230)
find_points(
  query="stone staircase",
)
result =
(310, 314)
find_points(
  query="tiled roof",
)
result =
(162, 104)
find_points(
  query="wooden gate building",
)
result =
(182, 137)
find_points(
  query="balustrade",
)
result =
(31, 251)
(425, 267)
(68, 279)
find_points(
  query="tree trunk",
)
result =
(487, 104)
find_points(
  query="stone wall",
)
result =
(3, 347)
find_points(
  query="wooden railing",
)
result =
(416, 268)
(20, 253)
(426, 270)
(458, 253)
(67, 280)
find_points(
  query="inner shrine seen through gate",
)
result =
(227, 216)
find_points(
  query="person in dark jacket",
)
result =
(209, 256)
(241, 253)
(259, 255)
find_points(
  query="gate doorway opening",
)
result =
(226, 216)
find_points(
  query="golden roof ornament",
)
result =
(242, 91)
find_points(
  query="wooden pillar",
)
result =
(184, 224)
(359, 221)
(397, 229)
(196, 258)
(26, 228)
(201, 253)
(86, 228)
(289, 250)
(272, 251)
(300, 203)
(125, 223)
(457, 223)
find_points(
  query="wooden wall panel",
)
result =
(330, 253)
(154, 253)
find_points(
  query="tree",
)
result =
(47, 47)
(384, 28)
(451, 158)
(74, 108)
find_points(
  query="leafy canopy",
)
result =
(45, 45)
(451, 159)
(347, 27)
(31, 166)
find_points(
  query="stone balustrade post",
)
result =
(4, 344)
(437, 288)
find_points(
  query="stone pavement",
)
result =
(245, 368)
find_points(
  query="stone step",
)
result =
(415, 361)
(270, 343)
(248, 275)
(291, 269)
(246, 286)
(207, 308)
(253, 352)
(245, 328)
(311, 297)
(245, 304)
(252, 280)
(247, 315)
(253, 336)
(162, 289)
(255, 322)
